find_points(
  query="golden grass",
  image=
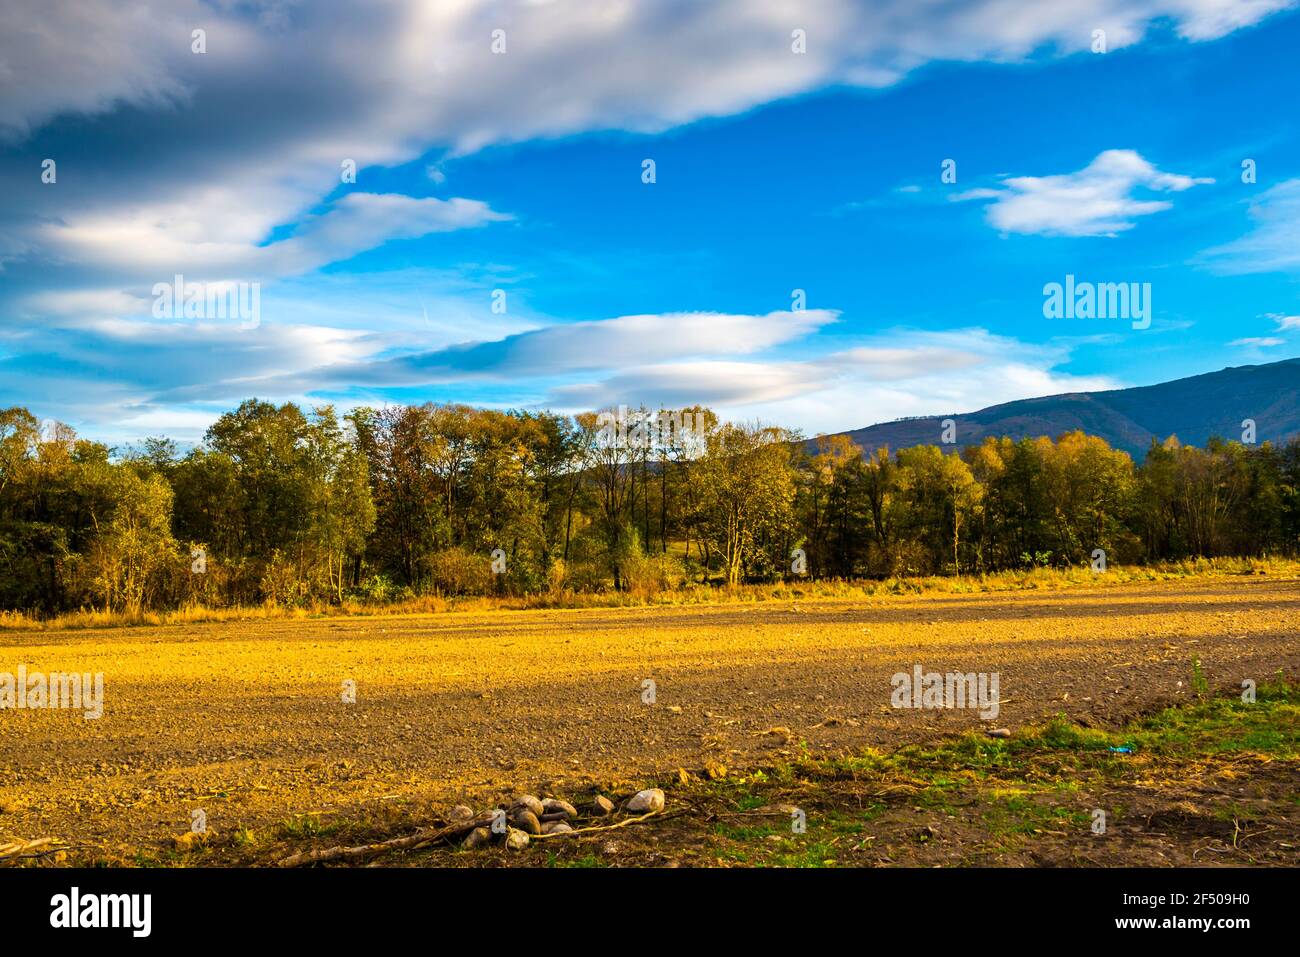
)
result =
(690, 594)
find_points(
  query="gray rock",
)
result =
(998, 732)
(556, 827)
(478, 837)
(516, 840)
(556, 806)
(651, 799)
(461, 813)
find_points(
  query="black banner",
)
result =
(140, 907)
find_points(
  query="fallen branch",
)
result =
(422, 837)
(18, 847)
(433, 835)
(50, 850)
(609, 827)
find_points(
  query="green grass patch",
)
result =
(1023, 786)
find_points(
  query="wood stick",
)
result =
(426, 835)
(606, 827)
(9, 850)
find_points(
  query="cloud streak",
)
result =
(1273, 244)
(1098, 200)
(157, 242)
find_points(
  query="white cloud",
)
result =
(87, 303)
(428, 66)
(722, 360)
(251, 134)
(153, 242)
(142, 364)
(87, 58)
(895, 364)
(1097, 200)
(1273, 245)
(1211, 19)
(899, 373)
(1261, 342)
(997, 369)
(675, 385)
(632, 340)
(143, 369)
(561, 349)
(1283, 323)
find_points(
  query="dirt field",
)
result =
(246, 720)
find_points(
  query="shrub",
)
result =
(457, 571)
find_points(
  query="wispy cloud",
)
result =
(567, 348)
(1262, 342)
(1098, 200)
(649, 66)
(723, 360)
(1273, 245)
(156, 242)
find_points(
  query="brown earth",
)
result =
(1218, 811)
(245, 720)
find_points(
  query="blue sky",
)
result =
(520, 173)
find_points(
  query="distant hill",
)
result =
(1194, 409)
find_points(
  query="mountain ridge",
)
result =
(1194, 408)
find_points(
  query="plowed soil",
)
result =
(247, 720)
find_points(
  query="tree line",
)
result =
(292, 507)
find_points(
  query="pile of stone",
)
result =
(528, 817)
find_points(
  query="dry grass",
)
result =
(691, 594)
